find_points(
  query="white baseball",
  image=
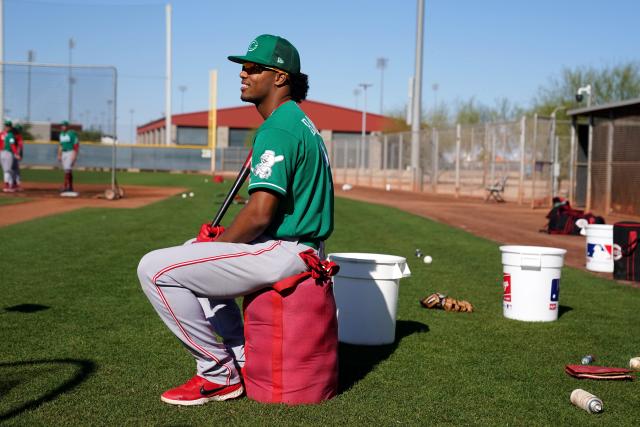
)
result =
(184, 195)
(191, 194)
(635, 363)
(427, 259)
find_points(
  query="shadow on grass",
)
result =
(84, 369)
(562, 309)
(27, 308)
(356, 361)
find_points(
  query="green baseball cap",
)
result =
(65, 123)
(272, 51)
(7, 122)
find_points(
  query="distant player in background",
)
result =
(9, 151)
(68, 154)
(17, 179)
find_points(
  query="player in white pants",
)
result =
(290, 210)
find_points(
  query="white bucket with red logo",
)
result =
(531, 282)
(599, 248)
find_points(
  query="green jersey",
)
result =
(290, 159)
(68, 139)
(8, 139)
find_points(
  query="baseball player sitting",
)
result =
(290, 210)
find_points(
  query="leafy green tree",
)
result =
(609, 84)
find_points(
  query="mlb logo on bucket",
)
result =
(506, 284)
(555, 294)
(598, 251)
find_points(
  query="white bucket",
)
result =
(531, 282)
(366, 292)
(599, 248)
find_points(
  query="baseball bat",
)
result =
(242, 176)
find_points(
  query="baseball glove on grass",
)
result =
(446, 303)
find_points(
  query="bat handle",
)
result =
(242, 176)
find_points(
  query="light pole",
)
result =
(435, 88)
(133, 141)
(30, 59)
(72, 44)
(182, 89)
(555, 172)
(356, 94)
(417, 101)
(364, 87)
(381, 63)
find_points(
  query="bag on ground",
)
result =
(626, 251)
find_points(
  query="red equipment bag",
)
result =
(291, 338)
(626, 251)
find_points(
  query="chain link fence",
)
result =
(615, 166)
(531, 155)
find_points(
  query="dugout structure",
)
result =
(606, 148)
(41, 96)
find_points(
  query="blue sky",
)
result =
(486, 49)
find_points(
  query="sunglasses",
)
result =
(253, 68)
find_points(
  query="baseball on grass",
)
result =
(191, 194)
(427, 259)
(184, 195)
(635, 363)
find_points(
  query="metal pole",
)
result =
(133, 141)
(382, 64)
(458, 137)
(30, 58)
(607, 204)
(167, 89)
(572, 160)
(533, 160)
(523, 127)
(589, 163)
(70, 113)
(434, 160)
(417, 102)
(364, 87)
(115, 137)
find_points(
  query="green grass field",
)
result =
(84, 347)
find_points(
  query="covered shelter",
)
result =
(605, 154)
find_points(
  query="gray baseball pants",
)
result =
(192, 287)
(6, 159)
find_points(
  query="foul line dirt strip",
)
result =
(505, 223)
(45, 200)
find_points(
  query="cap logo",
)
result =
(253, 46)
(280, 60)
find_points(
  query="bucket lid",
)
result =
(532, 250)
(367, 258)
(371, 266)
(608, 227)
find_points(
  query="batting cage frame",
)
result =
(55, 84)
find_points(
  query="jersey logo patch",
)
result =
(267, 160)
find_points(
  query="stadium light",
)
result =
(182, 89)
(381, 64)
(364, 87)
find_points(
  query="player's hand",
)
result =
(208, 233)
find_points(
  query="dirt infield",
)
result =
(44, 200)
(506, 223)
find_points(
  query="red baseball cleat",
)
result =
(198, 391)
